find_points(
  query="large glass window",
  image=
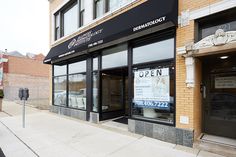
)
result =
(115, 57)
(77, 91)
(154, 85)
(95, 84)
(154, 93)
(70, 20)
(60, 91)
(77, 85)
(60, 70)
(77, 67)
(154, 52)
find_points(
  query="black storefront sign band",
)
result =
(147, 15)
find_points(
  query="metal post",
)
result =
(23, 114)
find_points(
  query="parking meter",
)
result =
(21, 93)
(25, 93)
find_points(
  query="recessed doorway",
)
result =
(219, 95)
(114, 94)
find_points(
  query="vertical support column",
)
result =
(89, 87)
(190, 70)
(130, 79)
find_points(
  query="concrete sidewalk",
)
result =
(50, 135)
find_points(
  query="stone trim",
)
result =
(219, 38)
(94, 117)
(162, 132)
(187, 15)
(78, 114)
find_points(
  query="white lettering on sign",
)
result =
(225, 82)
(149, 24)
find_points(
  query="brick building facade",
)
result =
(201, 68)
(25, 72)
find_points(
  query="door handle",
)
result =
(204, 92)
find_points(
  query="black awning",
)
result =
(147, 15)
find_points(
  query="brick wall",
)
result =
(188, 100)
(38, 86)
(27, 66)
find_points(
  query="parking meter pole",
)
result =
(23, 114)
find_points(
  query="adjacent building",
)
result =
(169, 67)
(19, 71)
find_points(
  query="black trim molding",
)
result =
(144, 16)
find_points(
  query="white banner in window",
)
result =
(225, 82)
(152, 85)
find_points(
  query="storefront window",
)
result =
(60, 91)
(77, 91)
(59, 70)
(153, 84)
(154, 93)
(77, 85)
(153, 52)
(77, 67)
(95, 92)
(115, 57)
(95, 84)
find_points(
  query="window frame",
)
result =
(105, 7)
(57, 36)
(62, 11)
(163, 35)
(53, 85)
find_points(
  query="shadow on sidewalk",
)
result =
(1, 153)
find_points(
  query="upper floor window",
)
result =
(100, 8)
(81, 13)
(69, 18)
(103, 6)
(57, 26)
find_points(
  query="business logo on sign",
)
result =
(84, 38)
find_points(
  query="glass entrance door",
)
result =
(219, 97)
(114, 93)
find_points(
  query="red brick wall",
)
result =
(26, 66)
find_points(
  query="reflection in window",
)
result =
(81, 13)
(60, 91)
(77, 91)
(154, 52)
(95, 92)
(154, 94)
(59, 70)
(57, 26)
(77, 67)
(115, 57)
(70, 20)
(114, 4)
(112, 89)
(99, 8)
